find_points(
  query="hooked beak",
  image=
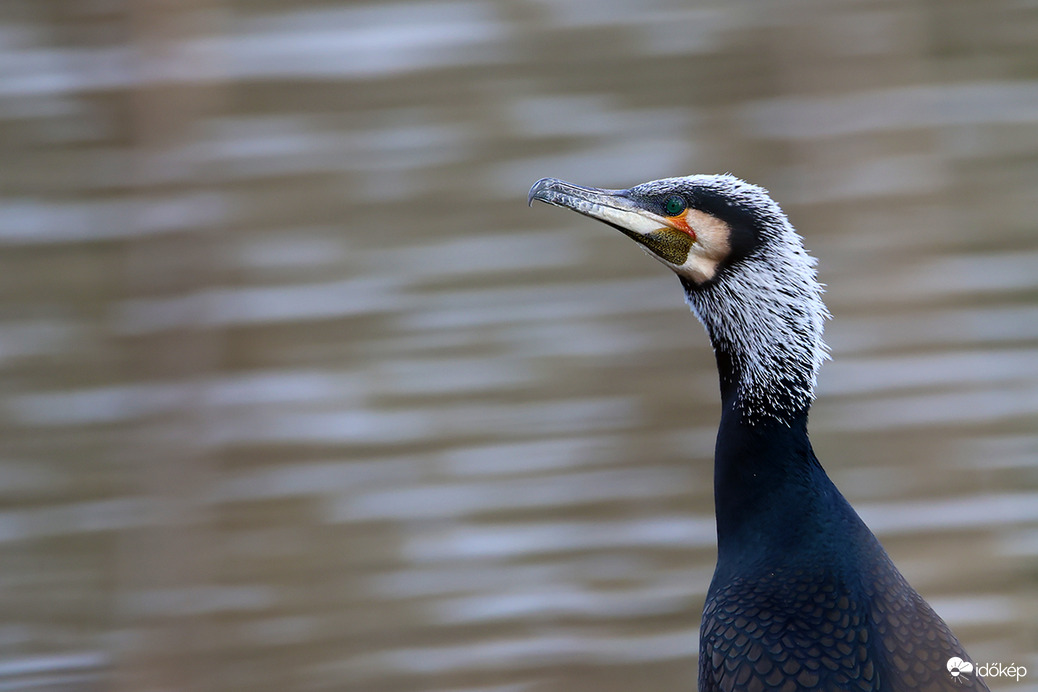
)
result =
(613, 207)
(659, 234)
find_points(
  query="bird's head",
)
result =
(744, 269)
(695, 225)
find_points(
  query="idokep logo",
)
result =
(962, 671)
(1000, 670)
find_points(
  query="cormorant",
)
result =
(803, 596)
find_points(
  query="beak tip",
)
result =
(538, 187)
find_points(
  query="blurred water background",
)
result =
(297, 393)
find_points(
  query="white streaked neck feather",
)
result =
(766, 312)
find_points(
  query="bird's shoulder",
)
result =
(913, 643)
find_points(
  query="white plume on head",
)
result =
(766, 310)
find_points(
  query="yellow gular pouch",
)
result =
(669, 244)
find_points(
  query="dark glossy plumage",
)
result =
(803, 597)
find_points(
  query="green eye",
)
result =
(674, 205)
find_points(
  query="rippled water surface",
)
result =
(297, 393)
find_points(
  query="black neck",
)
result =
(774, 503)
(770, 493)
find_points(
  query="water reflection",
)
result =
(300, 395)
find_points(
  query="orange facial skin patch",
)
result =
(680, 222)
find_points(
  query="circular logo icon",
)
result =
(959, 669)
